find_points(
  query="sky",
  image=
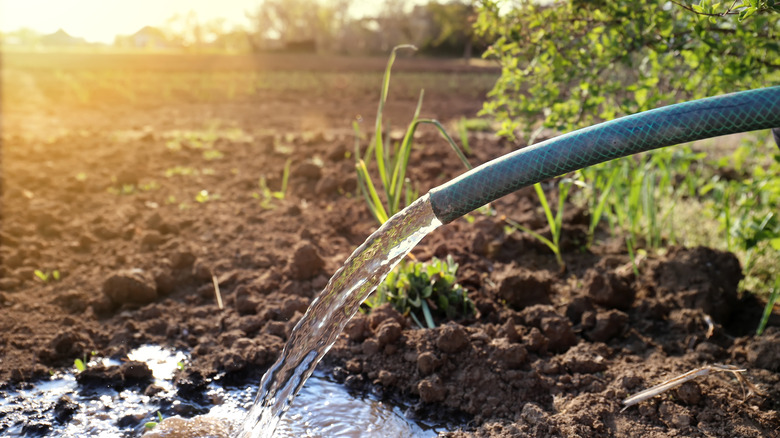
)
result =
(100, 21)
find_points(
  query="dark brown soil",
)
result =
(548, 354)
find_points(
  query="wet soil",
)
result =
(100, 195)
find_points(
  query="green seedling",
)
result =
(392, 160)
(180, 171)
(266, 195)
(149, 425)
(604, 186)
(770, 304)
(204, 196)
(424, 291)
(130, 189)
(555, 222)
(81, 364)
(212, 154)
(47, 276)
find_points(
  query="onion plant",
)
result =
(555, 222)
(392, 160)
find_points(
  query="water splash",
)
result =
(319, 328)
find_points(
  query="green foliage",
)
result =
(204, 196)
(424, 291)
(637, 194)
(746, 208)
(47, 275)
(571, 63)
(555, 222)
(149, 425)
(81, 364)
(266, 195)
(770, 304)
(392, 160)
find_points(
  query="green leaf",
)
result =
(641, 97)
(41, 275)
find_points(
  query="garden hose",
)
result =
(680, 123)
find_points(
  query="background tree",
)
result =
(571, 63)
(452, 30)
(283, 23)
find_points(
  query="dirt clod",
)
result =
(608, 289)
(607, 325)
(764, 351)
(507, 354)
(65, 409)
(305, 262)
(130, 286)
(427, 363)
(689, 393)
(452, 338)
(431, 390)
(698, 278)
(522, 287)
(388, 332)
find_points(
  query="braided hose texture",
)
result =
(680, 123)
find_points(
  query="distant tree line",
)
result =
(438, 28)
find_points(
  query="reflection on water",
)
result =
(322, 409)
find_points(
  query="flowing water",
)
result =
(319, 328)
(324, 407)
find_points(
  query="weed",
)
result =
(424, 291)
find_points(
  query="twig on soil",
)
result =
(710, 326)
(216, 290)
(690, 375)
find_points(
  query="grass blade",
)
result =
(370, 193)
(458, 151)
(427, 314)
(770, 304)
(545, 206)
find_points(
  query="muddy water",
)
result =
(331, 310)
(324, 408)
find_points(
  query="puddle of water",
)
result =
(323, 407)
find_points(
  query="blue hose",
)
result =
(674, 124)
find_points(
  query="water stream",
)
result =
(324, 408)
(319, 328)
